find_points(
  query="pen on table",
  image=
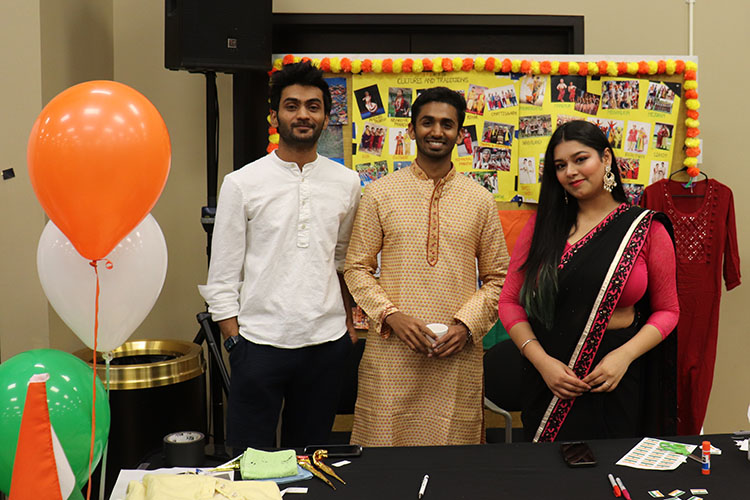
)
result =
(615, 488)
(623, 489)
(424, 486)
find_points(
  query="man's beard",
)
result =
(291, 138)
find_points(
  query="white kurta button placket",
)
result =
(303, 219)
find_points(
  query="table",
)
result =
(526, 471)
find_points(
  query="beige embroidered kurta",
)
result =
(433, 237)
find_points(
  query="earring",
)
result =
(565, 194)
(609, 179)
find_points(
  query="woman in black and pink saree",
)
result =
(590, 300)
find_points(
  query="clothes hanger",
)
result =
(689, 185)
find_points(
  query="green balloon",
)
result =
(78, 495)
(70, 402)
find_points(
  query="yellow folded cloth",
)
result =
(192, 487)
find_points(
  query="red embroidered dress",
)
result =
(706, 246)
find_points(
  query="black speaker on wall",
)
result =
(217, 35)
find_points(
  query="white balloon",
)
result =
(128, 290)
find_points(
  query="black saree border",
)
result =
(605, 303)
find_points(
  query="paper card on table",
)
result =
(656, 494)
(294, 489)
(698, 491)
(649, 455)
(676, 493)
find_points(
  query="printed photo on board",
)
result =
(399, 141)
(492, 159)
(373, 138)
(468, 141)
(534, 126)
(366, 173)
(501, 98)
(475, 99)
(620, 94)
(613, 129)
(541, 166)
(628, 167)
(660, 96)
(532, 90)
(331, 142)
(663, 136)
(526, 171)
(659, 171)
(497, 133)
(338, 115)
(399, 102)
(381, 168)
(565, 88)
(587, 102)
(488, 180)
(370, 172)
(637, 136)
(369, 102)
(634, 192)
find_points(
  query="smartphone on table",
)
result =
(336, 450)
(577, 454)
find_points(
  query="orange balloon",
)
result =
(98, 156)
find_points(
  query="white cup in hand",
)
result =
(439, 330)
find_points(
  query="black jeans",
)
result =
(308, 381)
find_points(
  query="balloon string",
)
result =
(93, 404)
(103, 475)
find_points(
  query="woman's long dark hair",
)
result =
(554, 220)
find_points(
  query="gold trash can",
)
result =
(156, 387)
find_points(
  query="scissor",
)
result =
(680, 449)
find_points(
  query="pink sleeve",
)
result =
(510, 309)
(662, 280)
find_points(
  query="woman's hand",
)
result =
(560, 379)
(606, 376)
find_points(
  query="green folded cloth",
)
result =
(257, 464)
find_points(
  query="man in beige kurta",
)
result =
(433, 235)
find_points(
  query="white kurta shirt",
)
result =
(280, 236)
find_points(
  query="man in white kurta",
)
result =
(281, 233)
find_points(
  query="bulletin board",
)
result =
(648, 110)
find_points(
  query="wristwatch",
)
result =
(469, 337)
(231, 342)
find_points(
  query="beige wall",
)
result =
(23, 307)
(76, 46)
(634, 27)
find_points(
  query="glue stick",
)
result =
(706, 468)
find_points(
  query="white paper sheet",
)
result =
(648, 455)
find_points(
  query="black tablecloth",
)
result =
(527, 471)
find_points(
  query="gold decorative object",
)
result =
(225, 468)
(304, 462)
(317, 456)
